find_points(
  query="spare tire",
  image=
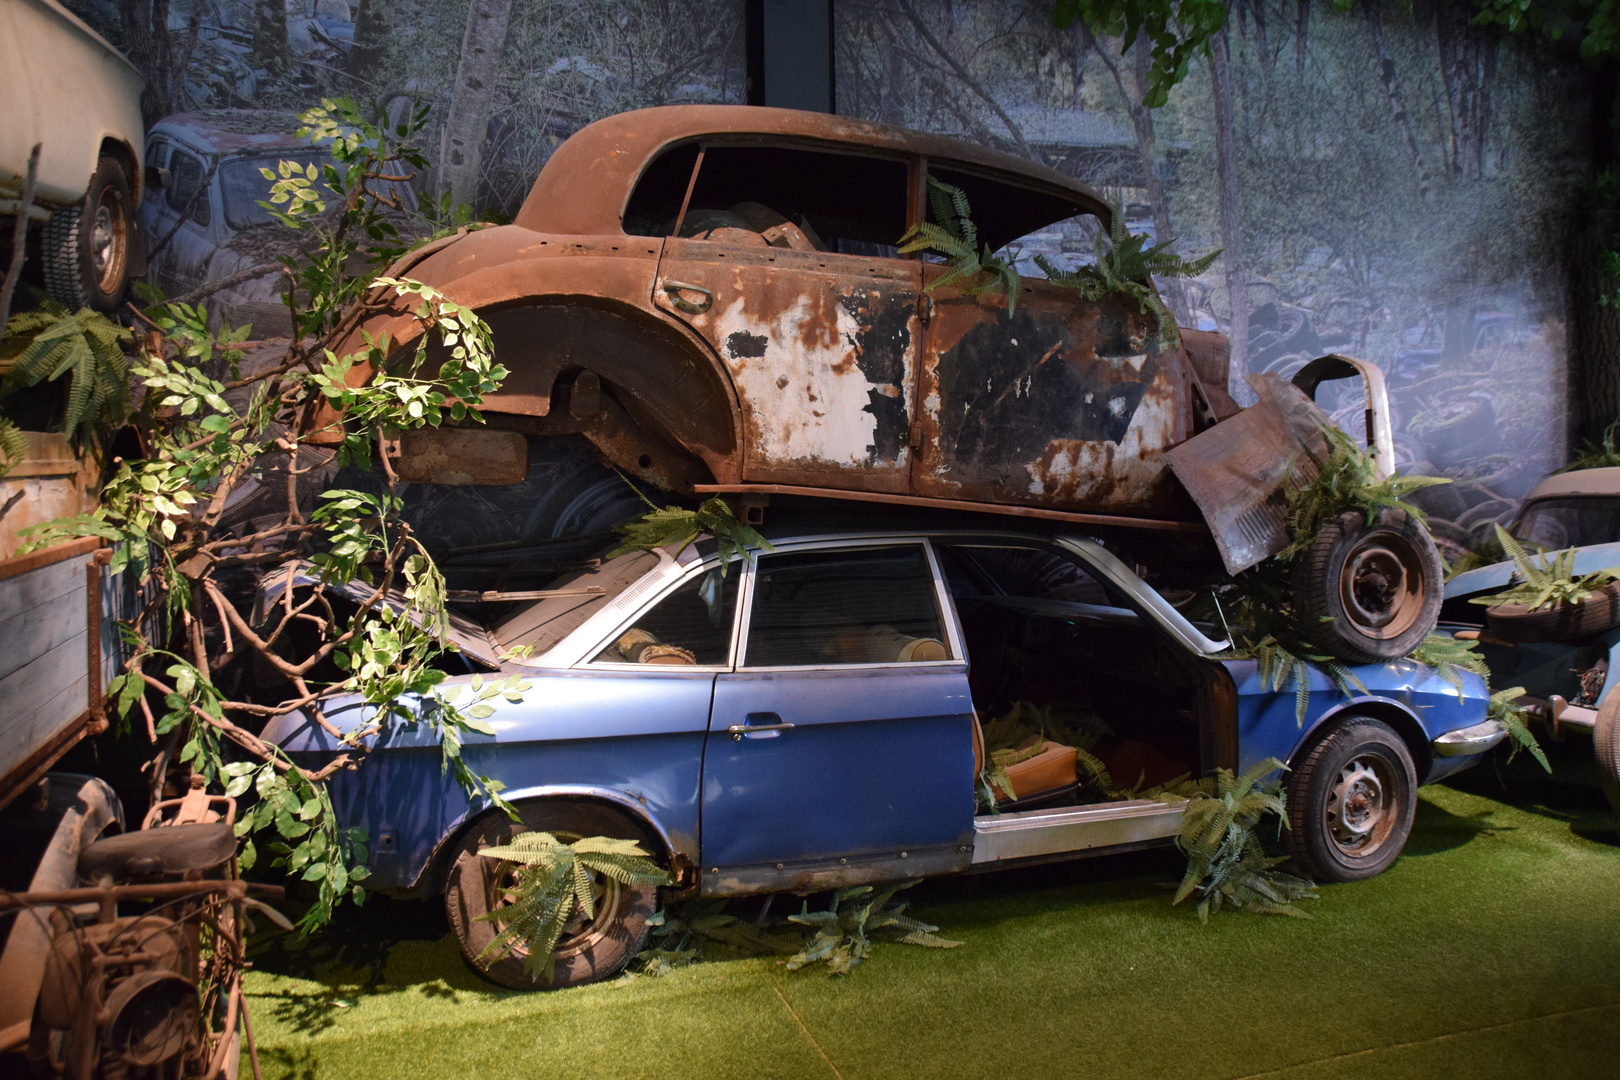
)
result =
(1368, 592)
(1518, 623)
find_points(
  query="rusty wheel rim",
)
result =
(1381, 586)
(1360, 811)
(579, 933)
(108, 240)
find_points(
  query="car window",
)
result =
(1019, 223)
(860, 606)
(244, 186)
(1030, 573)
(691, 626)
(1574, 522)
(186, 175)
(780, 196)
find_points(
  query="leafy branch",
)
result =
(661, 527)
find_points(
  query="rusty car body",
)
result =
(712, 295)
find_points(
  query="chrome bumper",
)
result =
(1470, 740)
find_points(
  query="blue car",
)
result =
(812, 719)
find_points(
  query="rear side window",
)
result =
(1019, 223)
(841, 202)
(1574, 522)
(863, 606)
(186, 192)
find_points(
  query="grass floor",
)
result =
(1491, 949)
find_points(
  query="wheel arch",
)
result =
(122, 152)
(1396, 715)
(431, 881)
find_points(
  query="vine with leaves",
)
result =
(213, 433)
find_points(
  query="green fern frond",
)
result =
(662, 527)
(1225, 862)
(13, 446)
(953, 236)
(1547, 581)
(51, 342)
(1506, 710)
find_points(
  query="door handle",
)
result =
(674, 289)
(774, 723)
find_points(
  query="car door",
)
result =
(840, 749)
(185, 222)
(783, 259)
(1065, 402)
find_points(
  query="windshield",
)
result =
(1577, 521)
(244, 186)
(575, 597)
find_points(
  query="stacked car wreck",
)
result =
(713, 298)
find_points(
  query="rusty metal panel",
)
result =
(460, 456)
(821, 348)
(1066, 403)
(1237, 470)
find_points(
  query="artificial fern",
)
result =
(1548, 581)
(86, 343)
(1601, 454)
(953, 235)
(679, 935)
(1450, 657)
(553, 882)
(1290, 664)
(1225, 862)
(1506, 710)
(13, 446)
(675, 525)
(1126, 269)
(1348, 480)
(855, 916)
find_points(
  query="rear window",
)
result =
(850, 203)
(576, 596)
(1574, 522)
(1017, 222)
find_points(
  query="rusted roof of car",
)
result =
(1579, 482)
(232, 131)
(613, 151)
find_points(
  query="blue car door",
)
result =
(840, 749)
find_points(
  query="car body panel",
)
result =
(874, 780)
(1498, 576)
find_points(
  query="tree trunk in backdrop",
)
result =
(1147, 147)
(461, 156)
(1397, 105)
(147, 44)
(270, 49)
(370, 38)
(1467, 65)
(1226, 167)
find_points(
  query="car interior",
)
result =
(1076, 698)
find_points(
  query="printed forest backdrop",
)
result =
(1391, 181)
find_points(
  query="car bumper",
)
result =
(1465, 742)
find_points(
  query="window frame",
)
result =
(944, 607)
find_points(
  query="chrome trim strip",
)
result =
(1032, 833)
(808, 877)
(1467, 741)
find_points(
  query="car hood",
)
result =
(1499, 576)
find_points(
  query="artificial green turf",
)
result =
(1491, 949)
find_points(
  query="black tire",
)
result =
(586, 953)
(1369, 593)
(1606, 747)
(87, 249)
(1351, 801)
(1517, 623)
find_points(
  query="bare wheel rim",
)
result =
(1361, 808)
(579, 933)
(107, 238)
(1381, 586)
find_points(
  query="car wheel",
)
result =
(589, 949)
(1606, 747)
(1351, 802)
(1599, 611)
(86, 248)
(1369, 592)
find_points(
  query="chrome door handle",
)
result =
(674, 289)
(737, 731)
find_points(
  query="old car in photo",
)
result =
(1563, 657)
(812, 717)
(714, 297)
